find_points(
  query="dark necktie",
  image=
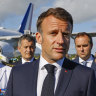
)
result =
(49, 82)
(84, 63)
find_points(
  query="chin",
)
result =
(58, 57)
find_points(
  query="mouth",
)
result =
(82, 54)
(28, 54)
(59, 50)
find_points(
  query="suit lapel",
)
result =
(93, 65)
(76, 60)
(35, 77)
(30, 77)
(65, 77)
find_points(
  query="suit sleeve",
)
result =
(92, 85)
(9, 89)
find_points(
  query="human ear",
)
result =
(39, 37)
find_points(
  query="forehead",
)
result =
(82, 39)
(25, 41)
(53, 22)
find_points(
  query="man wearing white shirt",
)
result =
(52, 74)
(42, 73)
(83, 45)
(26, 46)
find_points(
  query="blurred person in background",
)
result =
(26, 46)
(83, 45)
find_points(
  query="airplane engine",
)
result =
(6, 49)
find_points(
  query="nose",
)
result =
(82, 49)
(60, 38)
(28, 49)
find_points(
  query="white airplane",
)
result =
(8, 38)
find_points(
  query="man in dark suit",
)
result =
(26, 46)
(52, 71)
(83, 45)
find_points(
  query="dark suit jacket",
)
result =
(93, 63)
(74, 80)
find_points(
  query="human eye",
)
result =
(25, 47)
(31, 47)
(85, 45)
(66, 34)
(53, 33)
(78, 46)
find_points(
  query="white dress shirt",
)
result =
(89, 61)
(42, 72)
(23, 61)
(4, 75)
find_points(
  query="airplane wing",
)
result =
(9, 34)
(9, 37)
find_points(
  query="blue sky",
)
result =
(83, 12)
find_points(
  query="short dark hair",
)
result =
(81, 34)
(58, 12)
(27, 37)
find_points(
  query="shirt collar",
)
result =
(43, 62)
(88, 60)
(23, 61)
